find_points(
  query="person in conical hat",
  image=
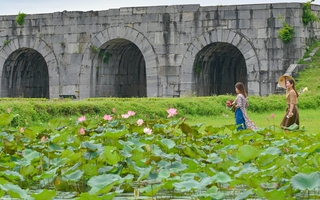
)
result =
(292, 112)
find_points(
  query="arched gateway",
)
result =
(216, 60)
(121, 63)
(28, 68)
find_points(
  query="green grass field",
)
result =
(308, 118)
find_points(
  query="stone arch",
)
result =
(32, 46)
(126, 35)
(226, 37)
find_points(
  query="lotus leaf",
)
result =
(304, 181)
(44, 194)
(247, 152)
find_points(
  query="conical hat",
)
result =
(283, 79)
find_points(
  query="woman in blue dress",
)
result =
(241, 116)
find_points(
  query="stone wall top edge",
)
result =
(220, 7)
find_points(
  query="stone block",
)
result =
(150, 17)
(139, 10)
(254, 88)
(132, 19)
(126, 11)
(244, 14)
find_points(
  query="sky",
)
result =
(13, 7)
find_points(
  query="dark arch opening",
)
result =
(217, 68)
(119, 70)
(25, 74)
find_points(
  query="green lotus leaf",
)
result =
(30, 133)
(279, 143)
(205, 181)
(46, 174)
(88, 155)
(221, 178)
(110, 155)
(15, 191)
(115, 133)
(54, 147)
(273, 194)
(144, 173)
(74, 176)
(247, 152)
(151, 189)
(169, 143)
(27, 170)
(298, 160)
(185, 128)
(315, 159)
(103, 184)
(106, 169)
(266, 160)
(231, 127)
(44, 195)
(188, 185)
(190, 152)
(255, 180)
(213, 130)
(87, 196)
(312, 148)
(30, 155)
(211, 194)
(176, 166)
(244, 195)
(137, 144)
(272, 151)
(159, 128)
(303, 181)
(91, 146)
(192, 164)
(12, 175)
(293, 127)
(164, 174)
(215, 160)
(5, 119)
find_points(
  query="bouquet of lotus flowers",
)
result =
(231, 105)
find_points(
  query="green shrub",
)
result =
(20, 18)
(287, 31)
(36, 111)
(307, 15)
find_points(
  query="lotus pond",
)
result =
(114, 157)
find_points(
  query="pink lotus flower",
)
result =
(82, 131)
(8, 110)
(172, 112)
(21, 130)
(43, 139)
(147, 131)
(125, 116)
(140, 122)
(82, 118)
(272, 115)
(107, 117)
(114, 110)
(131, 113)
(229, 103)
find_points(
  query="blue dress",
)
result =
(240, 121)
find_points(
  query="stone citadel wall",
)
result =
(158, 51)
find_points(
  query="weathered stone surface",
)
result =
(157, 50)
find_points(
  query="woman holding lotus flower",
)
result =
(241, 104)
